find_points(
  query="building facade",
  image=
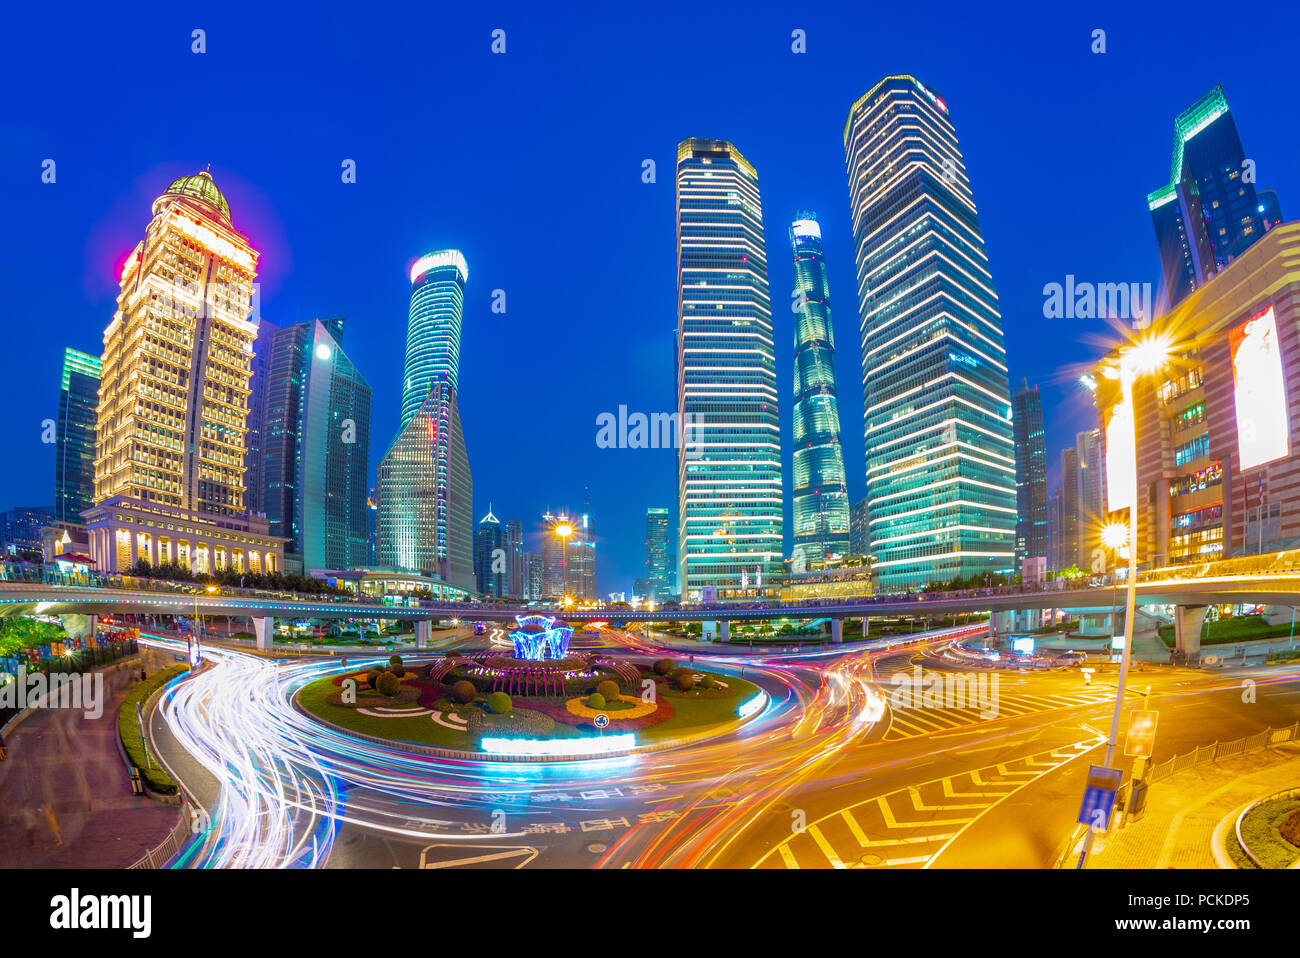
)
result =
(730, 505)
(658, 554)
(820, 501)
(314, 447)
(1218, 452)
(426, 494)
(1208, 213)
(173, 396)
(940, 465)
(433, 326)
(74, 450)
(491, 568)
(859, 528)
(1031, 474)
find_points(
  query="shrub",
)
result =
(372, 678)
(684, 679)
(499, 703)
(708, 682)
(664, 666)
(397, 670)
(388, 684)
(395, 661)
(608, 690)
(595, 701)
(463, 692)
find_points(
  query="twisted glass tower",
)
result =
(821, 498)
(729, 468)
(433, 326)
(941, 470)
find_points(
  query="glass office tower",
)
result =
(314, 440)
(820, 498)
(1031, 473)
(433, 326)
(939, 459)
(729, 467)
(74, 452)
(658, 554)
(1208, 214)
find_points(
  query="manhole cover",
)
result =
(869, 861)
(596, 848)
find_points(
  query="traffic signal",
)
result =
(1141, 733)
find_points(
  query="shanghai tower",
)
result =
(821, 498)
(941, 468)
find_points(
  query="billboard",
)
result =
(1259, 391)
(1120, 467)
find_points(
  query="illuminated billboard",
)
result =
(1259, 391)
(1119, 459)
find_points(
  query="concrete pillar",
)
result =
(837, 631)
(264, 630)
(724, 631)
(423, 631)
(78, 626)
(1188, 620)
(866, 626)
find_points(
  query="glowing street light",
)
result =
(1142, 357)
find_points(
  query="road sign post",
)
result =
(1098, 803)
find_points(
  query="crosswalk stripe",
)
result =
(854, 827)
(787, 856)
(825, 846)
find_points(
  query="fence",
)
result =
(1218, 750)
(173, 843)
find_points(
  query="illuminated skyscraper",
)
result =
(1031, 474)
(729, 467)
(658, 554)
(433, 326)
(74, 451)
(491, 565)
(820, 498)
(173, 396)
(426, 493)
(1209, 213)
(315, 446)
(939, 457)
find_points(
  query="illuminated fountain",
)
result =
(538, 639)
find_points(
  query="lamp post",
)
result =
(1114, 536)
(194, 636)
(564, 530)
(1144, 356)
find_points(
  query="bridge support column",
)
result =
(837, 631)
(1188, 620)
(78, 626)
(423, 631)
(264, 630)
(866, 626)
(724, 631)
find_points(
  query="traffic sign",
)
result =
(1099, 796)
(1141, 733)
(602, 720)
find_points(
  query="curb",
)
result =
(1218, 838)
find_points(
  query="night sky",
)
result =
(530, 162)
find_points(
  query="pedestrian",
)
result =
(143, 675)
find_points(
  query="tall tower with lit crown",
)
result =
(173, 395)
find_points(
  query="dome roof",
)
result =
(200, 186)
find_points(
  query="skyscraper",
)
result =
(729, 473)
(254, 452)
(74, 450)
(426, 493)
(1031, 474)
(315, 447)
(658, 559)
(433, 326)
(173, 396)
(821, 497)
(1083, 499)
(517, 558)
(425, 523)
(939, 459)
(491, 569)
(1208, 213)
(859, 528)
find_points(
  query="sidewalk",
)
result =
(1183, 810)
(65, 796)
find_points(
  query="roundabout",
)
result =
(544, 701)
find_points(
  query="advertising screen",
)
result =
(1263, 432)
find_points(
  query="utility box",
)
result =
(1137, 801)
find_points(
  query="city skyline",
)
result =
(288, 254)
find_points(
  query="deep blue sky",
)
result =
(530, 162)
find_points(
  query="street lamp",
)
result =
(564, 530)
(193, 637)
(1114, 536)
(1142, 357)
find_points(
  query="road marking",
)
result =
(816, 834)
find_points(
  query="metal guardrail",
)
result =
(159, 856)
(1218, 750)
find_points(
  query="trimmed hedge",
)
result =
(128, 729)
